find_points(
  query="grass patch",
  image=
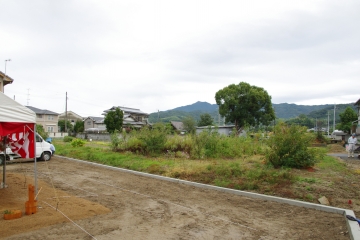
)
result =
(248, 172)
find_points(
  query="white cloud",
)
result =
(158, 55)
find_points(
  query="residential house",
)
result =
(132, 117)
(4, 80)
(48, 119)
(94, 124)
(178, 126)
(71, 116)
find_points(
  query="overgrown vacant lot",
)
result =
(336, 179)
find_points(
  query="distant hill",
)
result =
(282, 110)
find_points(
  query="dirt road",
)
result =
(99, 203)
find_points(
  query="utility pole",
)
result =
(334, 117)
(328, 128)
(66, 112)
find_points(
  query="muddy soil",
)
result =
(81, 201)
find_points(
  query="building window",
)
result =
(39, 116)
(50, 117)
(50, 129)
(88, 123)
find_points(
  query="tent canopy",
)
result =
(17, 126)
(14, 112)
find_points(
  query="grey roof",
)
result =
(97, 119)
(127, 110)
(41, 111)
(177, 125)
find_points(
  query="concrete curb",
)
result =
(353, 226)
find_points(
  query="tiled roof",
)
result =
(97, 119)
(41, 111)
(177, 125)
(127, 110)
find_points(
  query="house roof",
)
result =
(96, 119)
(127, 110)
(177, 125)
(41, 111)
(357, 102)
(6, 79)
(71, 113)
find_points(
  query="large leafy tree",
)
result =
(243, 104)
(189, 124)
(205, 120)
(114, 120)
(346, 119)
(69, 126)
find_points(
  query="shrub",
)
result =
(154, 139)
(68, 139)
(115, 141)
(77, 142)
(289, 147)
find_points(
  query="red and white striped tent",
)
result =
(17, 128)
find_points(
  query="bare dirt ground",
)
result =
(98, 203)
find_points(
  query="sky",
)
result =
(157, 55)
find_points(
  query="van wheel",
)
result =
(46, 156)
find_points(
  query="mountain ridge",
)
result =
(282, 111)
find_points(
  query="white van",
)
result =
(43, 152)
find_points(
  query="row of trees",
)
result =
(241, 104)
(347, 117)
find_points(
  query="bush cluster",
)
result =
(289, 146)
(206, 145)
(77, 142)
(68, 138)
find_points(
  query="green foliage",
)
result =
(153, 138)
(40, 130)
(79, 126)
(301, 120)
(244, 104)
(289, 147)
(205, 120)
(68, 138)
(69, 126)
(189, 124)
(115, 141)
(114, 120)
(77, 142)
(346, 119)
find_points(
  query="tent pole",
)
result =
(3, 184)
(35, 170)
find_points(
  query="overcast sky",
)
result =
(159, 55)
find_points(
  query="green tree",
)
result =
(40, 130)
(69, 126)
(79, 126)
(346, 119)
(205, 120)
(244, 104)
(114, 120)
(189, 124)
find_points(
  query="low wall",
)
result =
(57, 134)
(94, 136)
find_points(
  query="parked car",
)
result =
(43, 152)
